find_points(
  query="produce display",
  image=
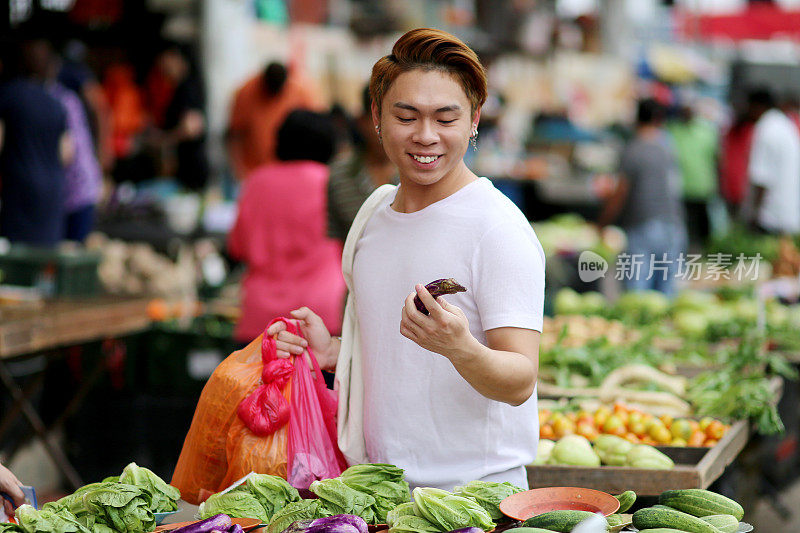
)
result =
(261, 496)
(632, 425)
(121, 504)
(572, 234)
(609, 450)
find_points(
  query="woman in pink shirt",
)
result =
(281, 234)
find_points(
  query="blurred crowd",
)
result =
(68, 134)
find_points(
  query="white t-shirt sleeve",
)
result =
(508, 281)
(761, 167)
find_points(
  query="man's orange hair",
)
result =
(430, 49)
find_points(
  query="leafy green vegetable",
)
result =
(488, 495)
(236, 504)
(413, 524)
(404, 509)
(383, 482)
(46, 521)
(10, 528)
(165, 497)
(448, 511)
(272, 492)
(120, 506)
(301, 510)
(338, 498)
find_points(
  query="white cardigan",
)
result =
(350, 422)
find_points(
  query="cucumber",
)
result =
(562, 521)
(700, 502)
(650, 518)
(626, 500)
(724, 522)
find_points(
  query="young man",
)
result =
(449, 396)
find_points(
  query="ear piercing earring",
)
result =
(474, 139)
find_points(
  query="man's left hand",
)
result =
(445, 330)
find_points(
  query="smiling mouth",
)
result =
(425, 159)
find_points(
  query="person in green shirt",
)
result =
(696, 146)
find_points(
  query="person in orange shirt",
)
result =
(259, 108)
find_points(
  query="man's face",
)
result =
(425, 125)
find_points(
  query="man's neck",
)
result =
(412, 197)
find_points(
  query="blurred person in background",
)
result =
(259, 108)
(35, 147)
(182, 137)
(774, 167)
(733, 161)
(11, 486)
(358, 174)
(75, 75)
(696, 144)
(790, 105)
(83, 175)
(280, 230)
(647, 201)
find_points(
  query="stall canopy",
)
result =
(757, 21)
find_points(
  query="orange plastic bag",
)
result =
(219, 448)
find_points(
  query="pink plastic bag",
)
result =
(266, 410)
(312, 450)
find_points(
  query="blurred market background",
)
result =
(117, 306)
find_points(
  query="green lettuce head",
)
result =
(123, 507)
(338, 498)
(488, 495)
(46, 521)
(272, 492)
(448, 511)
(300, 510)
(236, 504)
(165, 497)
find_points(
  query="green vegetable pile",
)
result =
(120, 504)
(436, 510)
(368, 490)
(488, 495)
(261, 496)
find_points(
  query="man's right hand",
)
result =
(317, 337)
(10, 485)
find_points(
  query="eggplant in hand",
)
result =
(438, 288)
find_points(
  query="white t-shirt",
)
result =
(419, 413)
(775, 165)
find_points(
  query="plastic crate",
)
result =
(57, 273)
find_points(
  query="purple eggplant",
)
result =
(338, 520)
(438, 288)
(467, 530)
(236, 528)
(217, 522)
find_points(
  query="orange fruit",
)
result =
(697, 438)
(573, 417)
(666, 419)
(704, 422)
(546, 432)
(638, 427)
(710, 443)
(632, 437)
(647, 439)
(660, 434)
(601, 415)
(563, 426)
(614, 426)
(681, 429)
(587, 430)
(678, 442)
(715, 430)
(544, 414)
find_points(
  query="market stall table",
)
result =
(27, 330)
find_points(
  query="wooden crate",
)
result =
(695, 468)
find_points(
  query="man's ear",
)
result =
(475, 119)
(376, 117)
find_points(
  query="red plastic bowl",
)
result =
(524, 505)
